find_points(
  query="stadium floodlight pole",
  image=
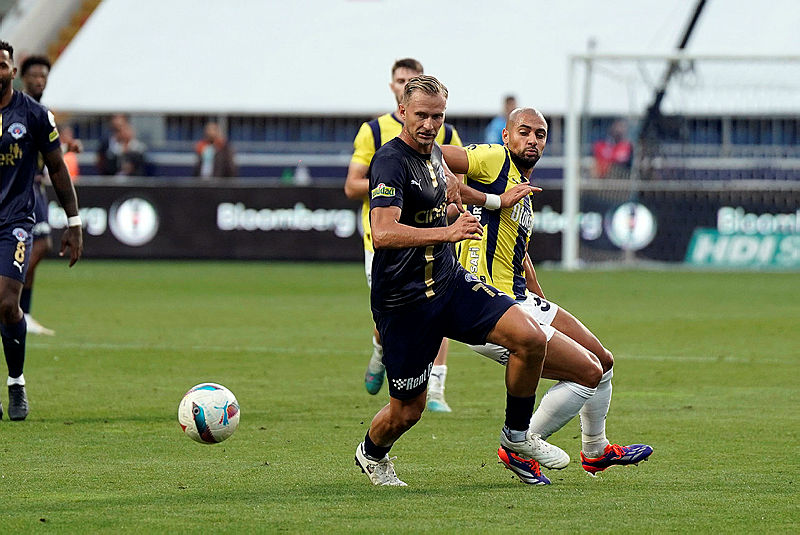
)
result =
(571, 196)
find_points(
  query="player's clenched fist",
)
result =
(466, 227)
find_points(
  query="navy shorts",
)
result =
(411, 335)
(15, 249)
(42, 227)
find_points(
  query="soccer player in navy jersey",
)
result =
(34, 72)
(495, 175)
(27, 129)
(420, 294)
(371, 135)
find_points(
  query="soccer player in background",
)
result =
(34, 72)
(28, 129)
(420, 294)
(495, 175)
(371, 136)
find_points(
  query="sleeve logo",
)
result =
(53, 135)
(382, 190)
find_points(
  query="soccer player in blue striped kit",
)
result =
(26, 129)
(420, 294)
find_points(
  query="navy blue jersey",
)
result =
(27, 129)
(400, 176)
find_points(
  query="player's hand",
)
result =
(466, 227)
(453, 188)
(72, 239)
(513, 196)
(75, 146)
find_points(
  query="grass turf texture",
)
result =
(706, 372)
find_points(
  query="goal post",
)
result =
(723, 123)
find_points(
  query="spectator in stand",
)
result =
(68, 141)
(214, 154)
(614, 154)
(121, 154)
(494, 130)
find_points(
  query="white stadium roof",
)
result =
(333, 56)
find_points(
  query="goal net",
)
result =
(663, 149)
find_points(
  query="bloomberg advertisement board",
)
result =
(196, 221)
(754, 225)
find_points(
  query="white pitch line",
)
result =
(335, 351)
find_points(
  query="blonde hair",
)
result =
(425, 83)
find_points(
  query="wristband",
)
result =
(492, 202)
(74, 221)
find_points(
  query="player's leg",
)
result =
(527, 343)
(597, 453)
(411, 338)
(436, 401)
(15, 250)
(376, 372)
(42, 244)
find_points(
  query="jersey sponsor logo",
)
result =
(426, 216)
(53, 135)
(414, 382)
(133, 221)
(17, 130)
(382, 190)
(12, 156)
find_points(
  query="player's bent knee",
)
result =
(591, 373)
(606, 360)
(9, 309)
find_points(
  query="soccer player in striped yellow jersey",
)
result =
(498, 192)
(371, 136)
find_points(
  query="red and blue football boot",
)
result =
(615, 454)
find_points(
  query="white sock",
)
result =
(593, 418)
(376, 361)
(558, 406)
(16, 380)
(438, 376)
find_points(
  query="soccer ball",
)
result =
(208, 413)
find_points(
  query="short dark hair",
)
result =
(8, 48)
(408, 63)
(30, 61)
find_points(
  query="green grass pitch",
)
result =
(707, 369)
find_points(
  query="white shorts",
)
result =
(542, 310)
(368, 255)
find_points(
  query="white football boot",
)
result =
(533, 447)
(379, 472)
(34, 327)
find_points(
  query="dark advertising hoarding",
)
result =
(719, 225)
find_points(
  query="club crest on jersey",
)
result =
(20, 234)
(17, 130)
(469, 277)
(382, 190)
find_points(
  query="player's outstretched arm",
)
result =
(453, 187)
(389, 233)
(531, 282)
(72, 238)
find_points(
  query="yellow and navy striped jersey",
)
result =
(373, 135)
(497, 258)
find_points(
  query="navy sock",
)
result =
(519, 412)
(374, 452)
(25, 300)
(13, 336)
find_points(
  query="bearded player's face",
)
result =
(423, 115)
(526, 138)
(7, 71)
